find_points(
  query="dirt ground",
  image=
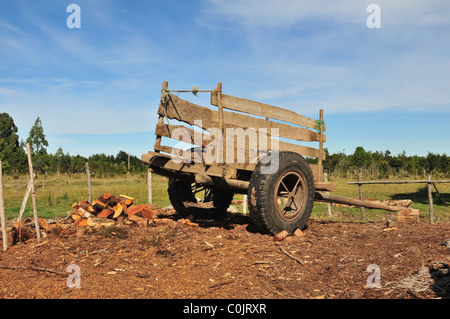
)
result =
(226, 259)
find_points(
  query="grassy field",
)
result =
(56, 194)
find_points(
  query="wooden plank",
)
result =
(232, 119)
(266, 110)
(235, 143)
(189, 112)
(167, 130)
(171, 150)
(204, 179)
(166, 162)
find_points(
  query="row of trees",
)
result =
(376, 164)
(384, 164)
(14, 157)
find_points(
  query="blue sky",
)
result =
(96, 89)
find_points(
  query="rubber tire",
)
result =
(262, 203)
(180, 191)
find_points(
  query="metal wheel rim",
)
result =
(201, 193)
(290, 195)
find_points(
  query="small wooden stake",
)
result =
(245, 204)
(430, 199)
(33, 195)
(363, 210)
(25, 199)
(325, 179)
(2, 211)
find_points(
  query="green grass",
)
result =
(56, 194)
(416, 192)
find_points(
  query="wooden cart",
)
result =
(252, 148)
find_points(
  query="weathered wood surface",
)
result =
(190, 113)
(166, 162)
(424, 181)
(328, 198)
(266, 110)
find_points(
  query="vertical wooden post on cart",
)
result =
(2, 211)
(430, 199)
(220, 158)
(321, 127)
(33, 194)
(160, 120)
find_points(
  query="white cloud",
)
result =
(309, 53)
(282, 13)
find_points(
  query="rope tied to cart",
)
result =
(165, 97)
(320, 123)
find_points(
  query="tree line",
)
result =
(374, 164)
(14, 155)
(384, 164)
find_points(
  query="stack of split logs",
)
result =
(108, 209)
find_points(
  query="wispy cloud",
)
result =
(302, 55)
(321, 52)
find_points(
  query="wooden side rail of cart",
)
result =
(227, 148)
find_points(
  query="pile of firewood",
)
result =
(110, 208)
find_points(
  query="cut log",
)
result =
(328, 198)
(118, 209)
(105, 212)
(82, 222)
(98, 205)
(135, 210)
(97, 222)
(147, 212)
(127, 199)
(138, 220)
(43, 224)
(280, 236)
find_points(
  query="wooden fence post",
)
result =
(363, 210)
(88, 173)
(430, 199)
(245, 204)
(2, 211)
(149, 185)
(33, 194)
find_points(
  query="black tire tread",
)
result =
(260, 204)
